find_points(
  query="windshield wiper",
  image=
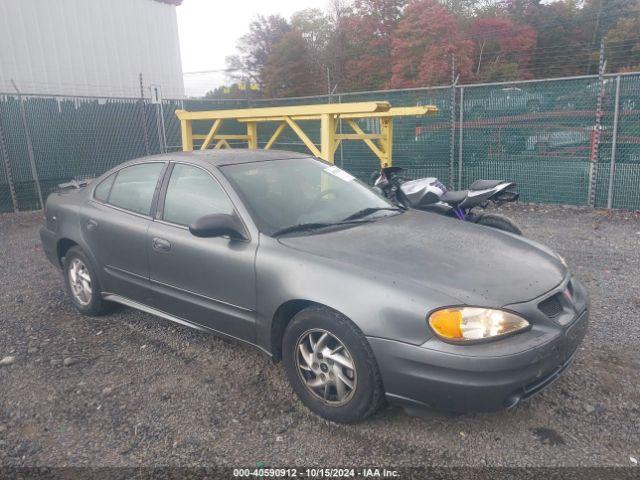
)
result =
(302, 227)
(351, 219)
(368, 211)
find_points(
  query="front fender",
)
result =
(380, 306)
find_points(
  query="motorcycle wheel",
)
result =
(500, 222)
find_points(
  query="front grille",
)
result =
(551, 307)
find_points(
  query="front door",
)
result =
(208, 281)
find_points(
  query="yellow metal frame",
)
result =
(381, 144)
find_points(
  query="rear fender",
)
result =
(499, 193)
(504, 195)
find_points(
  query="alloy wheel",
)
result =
(80, 281)
(326, 367)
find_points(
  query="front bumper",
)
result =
(506, 372)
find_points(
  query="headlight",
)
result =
(471, 323)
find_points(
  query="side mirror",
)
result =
(218, 225)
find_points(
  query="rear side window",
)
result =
(101, 192)
(191, 194)
(134, 186)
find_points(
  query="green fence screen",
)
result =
(541, 134)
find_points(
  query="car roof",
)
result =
(221, 157)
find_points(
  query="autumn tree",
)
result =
(255, 48)
(368, 32)
(423, 44)
(290, 70)
(374, 44)
(503, 48)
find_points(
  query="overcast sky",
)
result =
(209, 30)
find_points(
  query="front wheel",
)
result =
(499, 222)
(331, 366)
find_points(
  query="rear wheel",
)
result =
(499, 222)
(82, 284)
(331, 367)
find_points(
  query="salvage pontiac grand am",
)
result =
(362, 301)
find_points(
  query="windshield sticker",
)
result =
(338, 172)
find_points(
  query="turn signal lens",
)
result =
(472, 323)
(447, 323)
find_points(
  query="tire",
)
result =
(367, 393)
(90, 304)
(499, 222)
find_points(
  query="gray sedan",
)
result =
(362, 301)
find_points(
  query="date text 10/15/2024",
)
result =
(315, 472)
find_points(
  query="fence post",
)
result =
(159, 128)
(614, 141)
(164, 129)
(460, 131)
(452, 126)
(32, 160)
(4, 153)
(340, 131)
(143, 114)
(595, 142)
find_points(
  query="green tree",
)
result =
(501, 72)
(562, 46)
(622, 45)
(316, 30)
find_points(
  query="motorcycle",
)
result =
(429, 194)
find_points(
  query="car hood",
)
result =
(473, 264)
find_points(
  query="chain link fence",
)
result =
(541, 134)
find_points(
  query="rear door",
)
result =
(114, 224)
(208, 281)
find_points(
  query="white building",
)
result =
(90, 47)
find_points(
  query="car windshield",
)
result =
(303, 192)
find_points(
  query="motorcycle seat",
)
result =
(454, 197)
(484, 184)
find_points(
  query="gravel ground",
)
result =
(130, 389)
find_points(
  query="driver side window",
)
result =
(191, 194)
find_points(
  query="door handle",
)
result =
(92, 225)
(161, 245)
